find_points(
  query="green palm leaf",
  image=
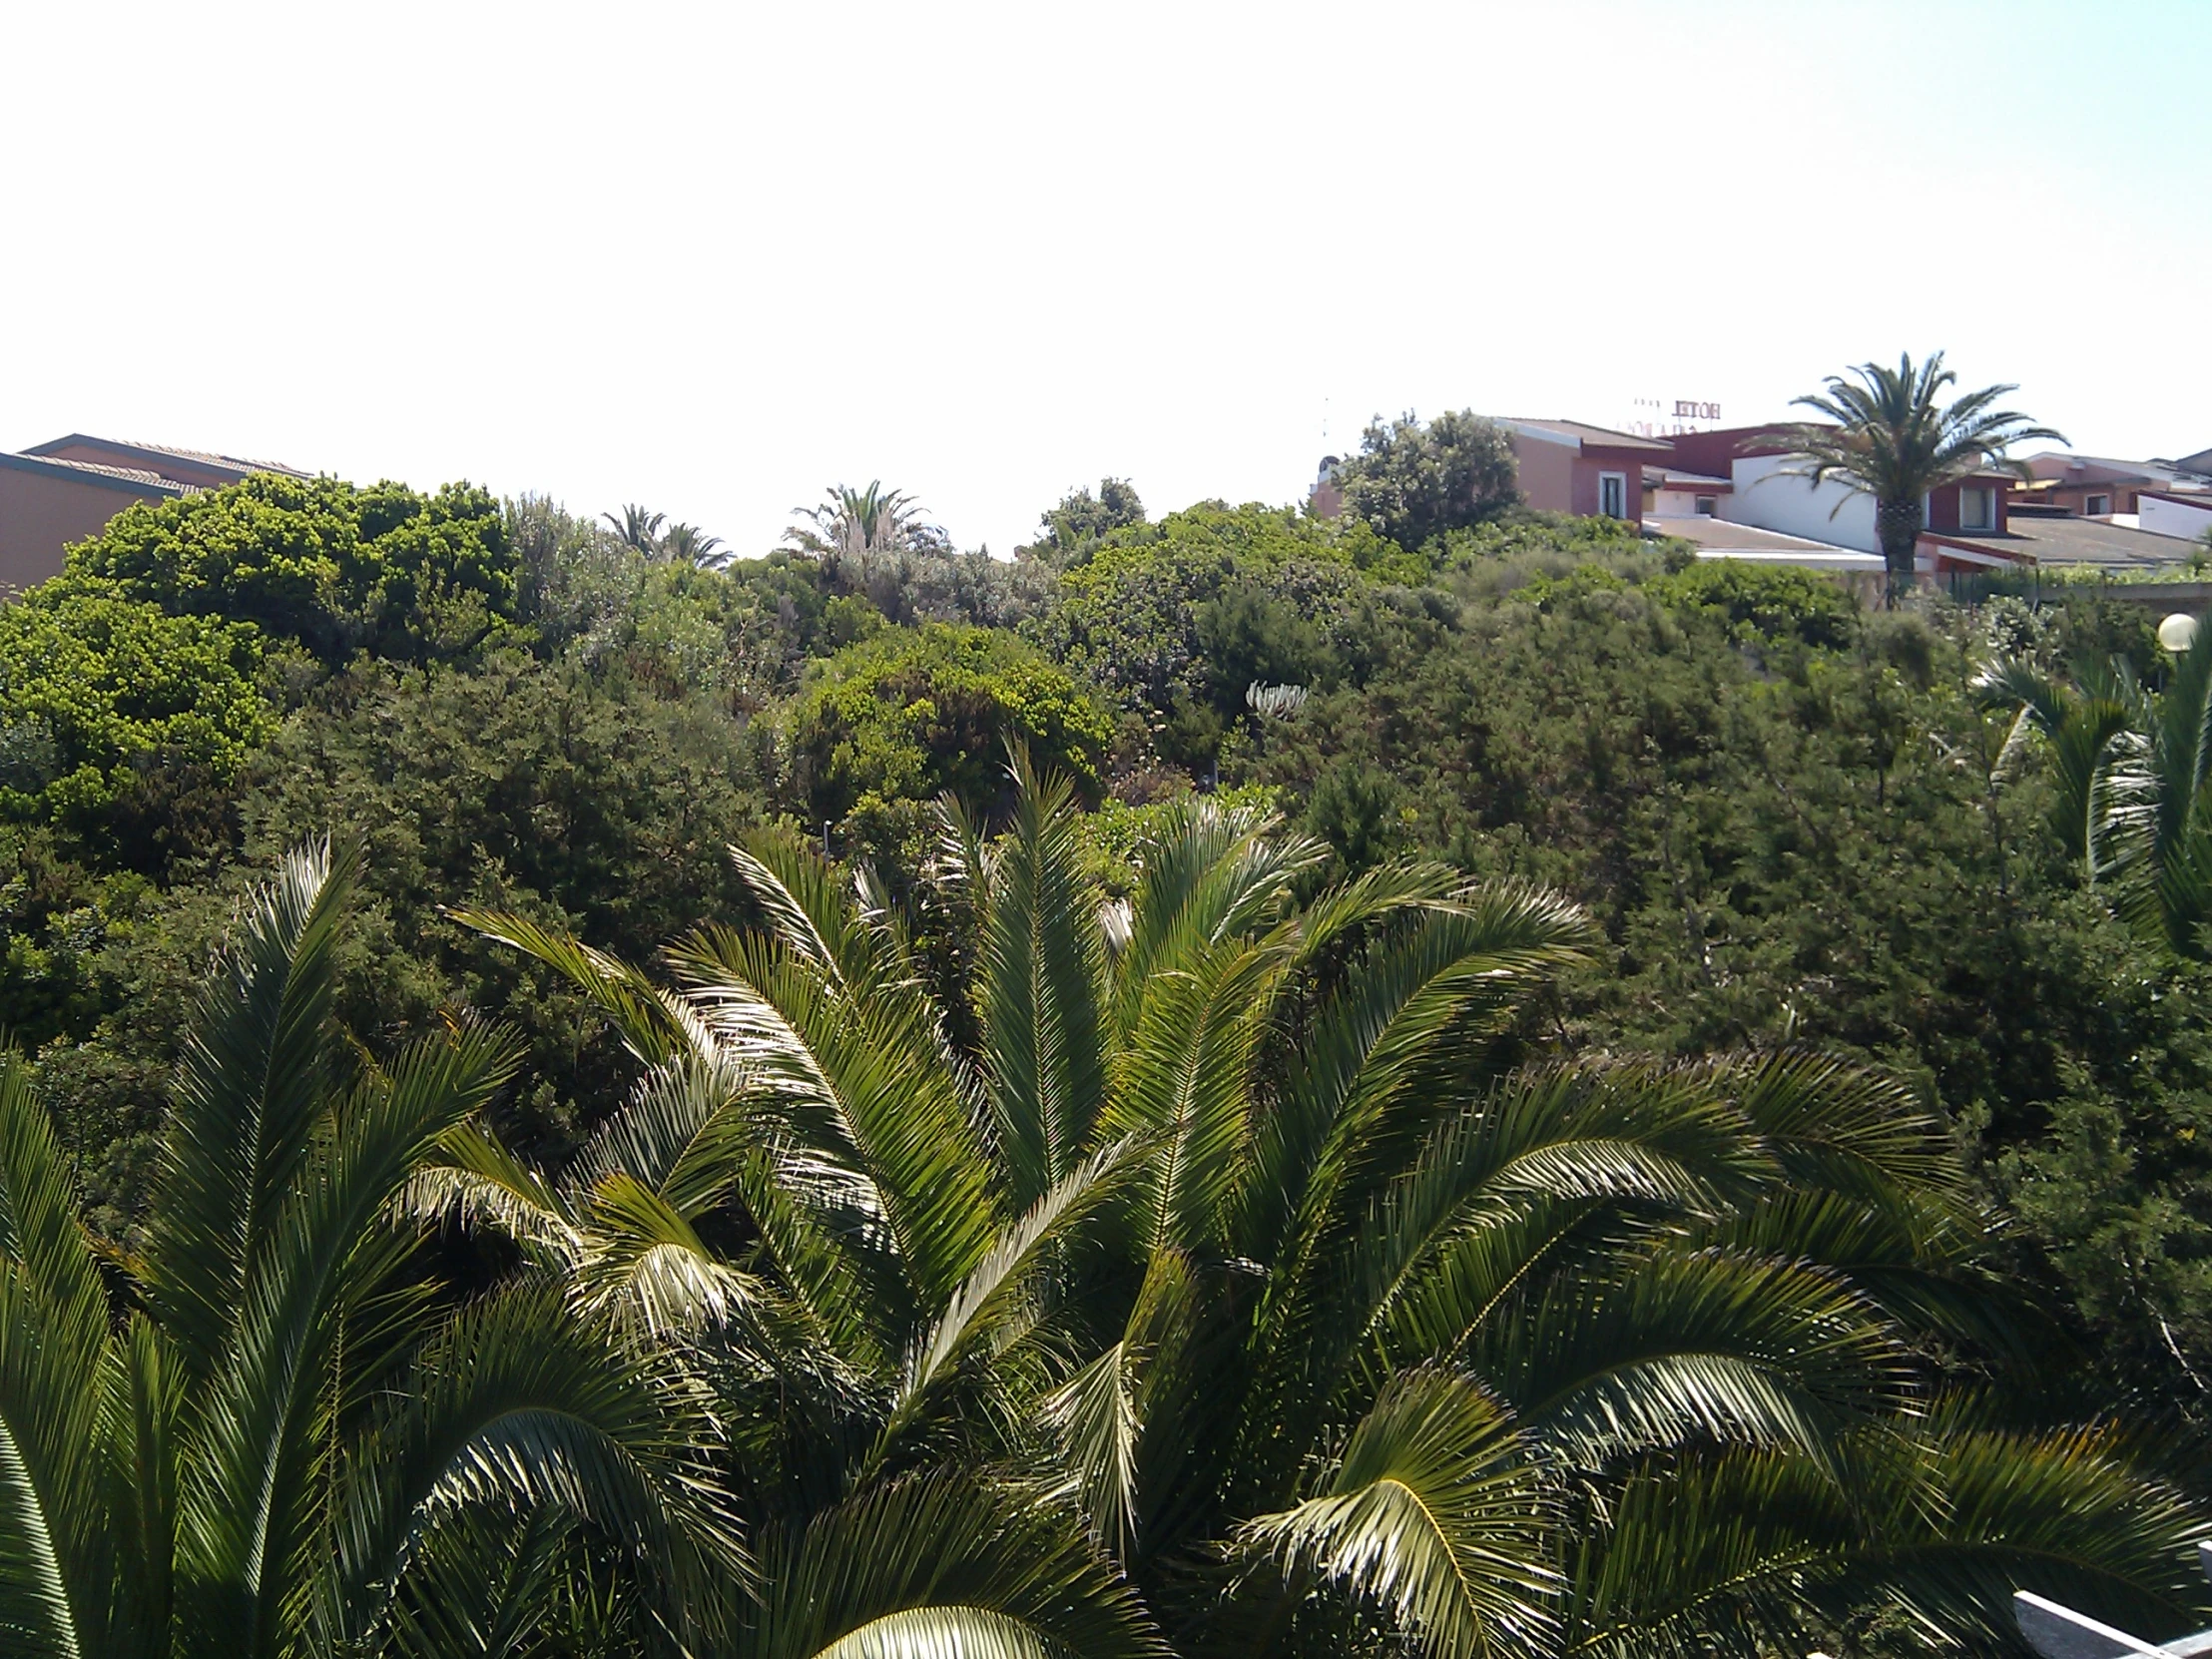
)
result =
(1043, 978)
(249, 1098)
(1436, 1513)
(926, 1565)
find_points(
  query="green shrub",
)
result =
(94, 685)
(913, 712)
(1765, 601)
(341, 569)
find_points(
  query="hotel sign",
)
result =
(1667, 417)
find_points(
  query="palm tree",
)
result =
(688, 544)
(2091, 728)
(2134, 777)
(265, 1435)
(638, 528)
(852, 524)
(1249, 1252)
(1886, 434)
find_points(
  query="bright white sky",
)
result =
(716, 258)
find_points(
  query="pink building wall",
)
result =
(41, 513)
(1547, 476)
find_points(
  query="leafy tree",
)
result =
(1174, 620)
(1071, 530)
(1338, 1324)
(259, 1436)
(1890, 435)
(913, 713)
(341, 569)
(1413, 483)
(97, 688)
(1764, 602)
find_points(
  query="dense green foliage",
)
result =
(340, 569)
(913, 714)
(1412, 483)
(1339, 1324)
(98, 687)
(1789, 822)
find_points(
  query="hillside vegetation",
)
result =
(1684, 814)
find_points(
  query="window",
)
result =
(2096, 506)
(1977, 507)
(1708, 505)
(1612, 494)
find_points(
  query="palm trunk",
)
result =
(1896, 525)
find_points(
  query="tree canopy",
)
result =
(1412, 483)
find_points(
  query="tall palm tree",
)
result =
(1250, 1252)
(265, 1434)
(1886, 433)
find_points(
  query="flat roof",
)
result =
(1718, 535)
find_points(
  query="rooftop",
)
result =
(1719, 537)
(1581, 432)
(2054, 465)
(2061, 539)
(133, 477)
(156, 454)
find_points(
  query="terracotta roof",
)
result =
(137, 474)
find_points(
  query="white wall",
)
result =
(1683, 503)
(1766, 496)
(2175, 518)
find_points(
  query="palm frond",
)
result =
(1436, 1513)
(1743, 1552)
(1834, 1125)
(248, 1507)
(1043, 973)
(250, 1093)
(55, 1567)
(651, 1027)
(922, 1567)
(1001, 1277)
(1379, 1039)
(39, 1228)
(1695, 1344)
(521, 1408)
